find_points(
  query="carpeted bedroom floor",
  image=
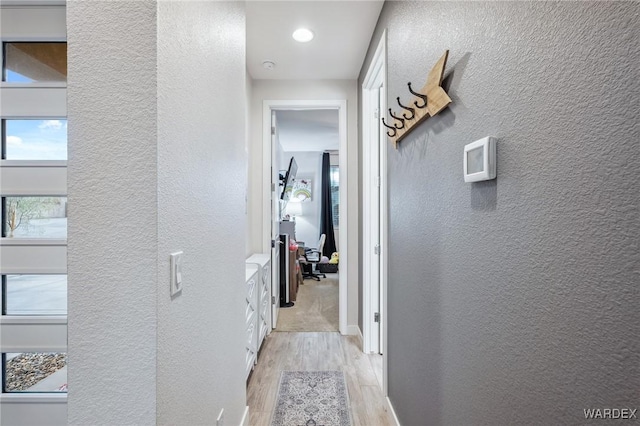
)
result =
(316, 307)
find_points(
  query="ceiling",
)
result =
(308, 130)
(342, 30)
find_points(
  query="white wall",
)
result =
(308, 225)
(248, 84)
(156, 164)
(307, 90)
(201, 207)
(112, 213)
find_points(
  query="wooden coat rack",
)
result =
(427, 102)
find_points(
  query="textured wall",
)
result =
(248, 224)
(305, 90)
(157, 163)
(201, 193)
(112, 250)
(515, 301)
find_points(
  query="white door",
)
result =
(374, 203)
(275, 223)
(379, 222)
(371, 219)
(375, 226)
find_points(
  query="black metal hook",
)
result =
(411, 110)
(395, 132)
(400, 119)
(420, 95)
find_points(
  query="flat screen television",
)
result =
(287, 181)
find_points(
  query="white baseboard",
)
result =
(392, 411)
(353, 330)
(245, 417)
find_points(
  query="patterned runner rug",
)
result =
(312, 398)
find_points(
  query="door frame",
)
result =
(276, 249)
(375, 79)
(341, 106)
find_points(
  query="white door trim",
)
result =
(370, 216)
(276, 249)
(375, 79)
(341, 106)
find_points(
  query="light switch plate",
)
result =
(176, 273)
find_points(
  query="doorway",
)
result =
(309, 139)
(271, 166)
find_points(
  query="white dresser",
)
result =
(251, 315)
(263, 303)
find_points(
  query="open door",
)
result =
(374, 227)
(275, 223)
(374, 200)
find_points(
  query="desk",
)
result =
(293, 274)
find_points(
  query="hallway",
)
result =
(310, 351)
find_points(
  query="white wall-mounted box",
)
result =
(479, 161)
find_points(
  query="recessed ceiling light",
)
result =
(268, 65)
(303, 35)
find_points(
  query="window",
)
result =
(334, 178)
(34, 372)
(31, 62)
(35, 217)
(34, 294)
(34, 139)
(33, 213)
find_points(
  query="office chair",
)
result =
(313, 256)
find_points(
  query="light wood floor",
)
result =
(318, 351)
(315, 309)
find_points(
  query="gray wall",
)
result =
(157, 164)
(515, 301)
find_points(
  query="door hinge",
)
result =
(376, 113)
(376, 249)
(378, 180)
(273, 187)
(273, 130)
(273, 300)
(376, 317)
